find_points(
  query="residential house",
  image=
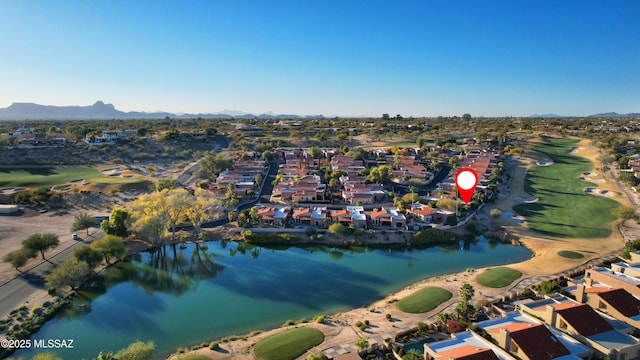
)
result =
(631, 269)
(275, 215)
(305, 189)
(617, 303)
(587, 326)
(106, 137)
(421, 212)
(465, 346)
(347, 164)
(389, 218)
(30, 140)
(312, 216)
(351, 215)
(364, 193)
(529, 339)
(613, 279)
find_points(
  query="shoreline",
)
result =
(544, 264)
(541, 264)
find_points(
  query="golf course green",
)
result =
(563, 208)
(33, 177)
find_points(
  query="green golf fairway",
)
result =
(563, 208)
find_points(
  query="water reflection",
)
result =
(169, 270)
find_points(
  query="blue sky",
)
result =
(346, 57)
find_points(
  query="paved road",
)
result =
(440, 176)
(14, 292)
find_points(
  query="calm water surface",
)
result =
(185, 296)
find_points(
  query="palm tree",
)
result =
(466, 292)
(442, 318)
(362, 344)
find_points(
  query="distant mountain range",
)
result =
(609, 114)
(102, 111)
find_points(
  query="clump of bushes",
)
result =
(431, 237)
(268, 238)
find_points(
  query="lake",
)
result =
(182, 297)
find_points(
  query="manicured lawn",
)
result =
(289, 344)
(498, 277)
(33, 177)
(563, 208)
(192, 357)
(424, 300)
(570, 254)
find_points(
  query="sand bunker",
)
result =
(599, 192)
(575, 150)
(508, 215)
(525, 200)
(543, 162)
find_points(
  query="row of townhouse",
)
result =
(347, 164)
(242, 177)
(599, 323)
(356, 216)
(356, 192)
(406, 167)
(483, 162)
(322, 217)
(29, 140)
(300, 189)
(555, 327)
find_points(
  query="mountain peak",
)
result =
(101, 105)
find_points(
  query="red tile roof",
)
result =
(584, 320)
(538, 342)
(621, 300)
(300, 212)
(468, 352)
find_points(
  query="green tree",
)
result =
(71, 272)
(41, 242)
(166, 183)
(212, 164)
(359, 153)
(87, 254)
(18, 258)
(380, 174)
(106, 355)
(315, 152)
(628, 178)
(466, 292)
(550, 287)
(317, 356)
(109, 247)
(362, 344)
(137, 351)
(442, 318)
(454, 161)
(117, 224)
(82, 221)
(624, 212)
(463, 310)
(267, 155)
(412, 354)
(336, 228)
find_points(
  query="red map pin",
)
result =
(466, 182)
